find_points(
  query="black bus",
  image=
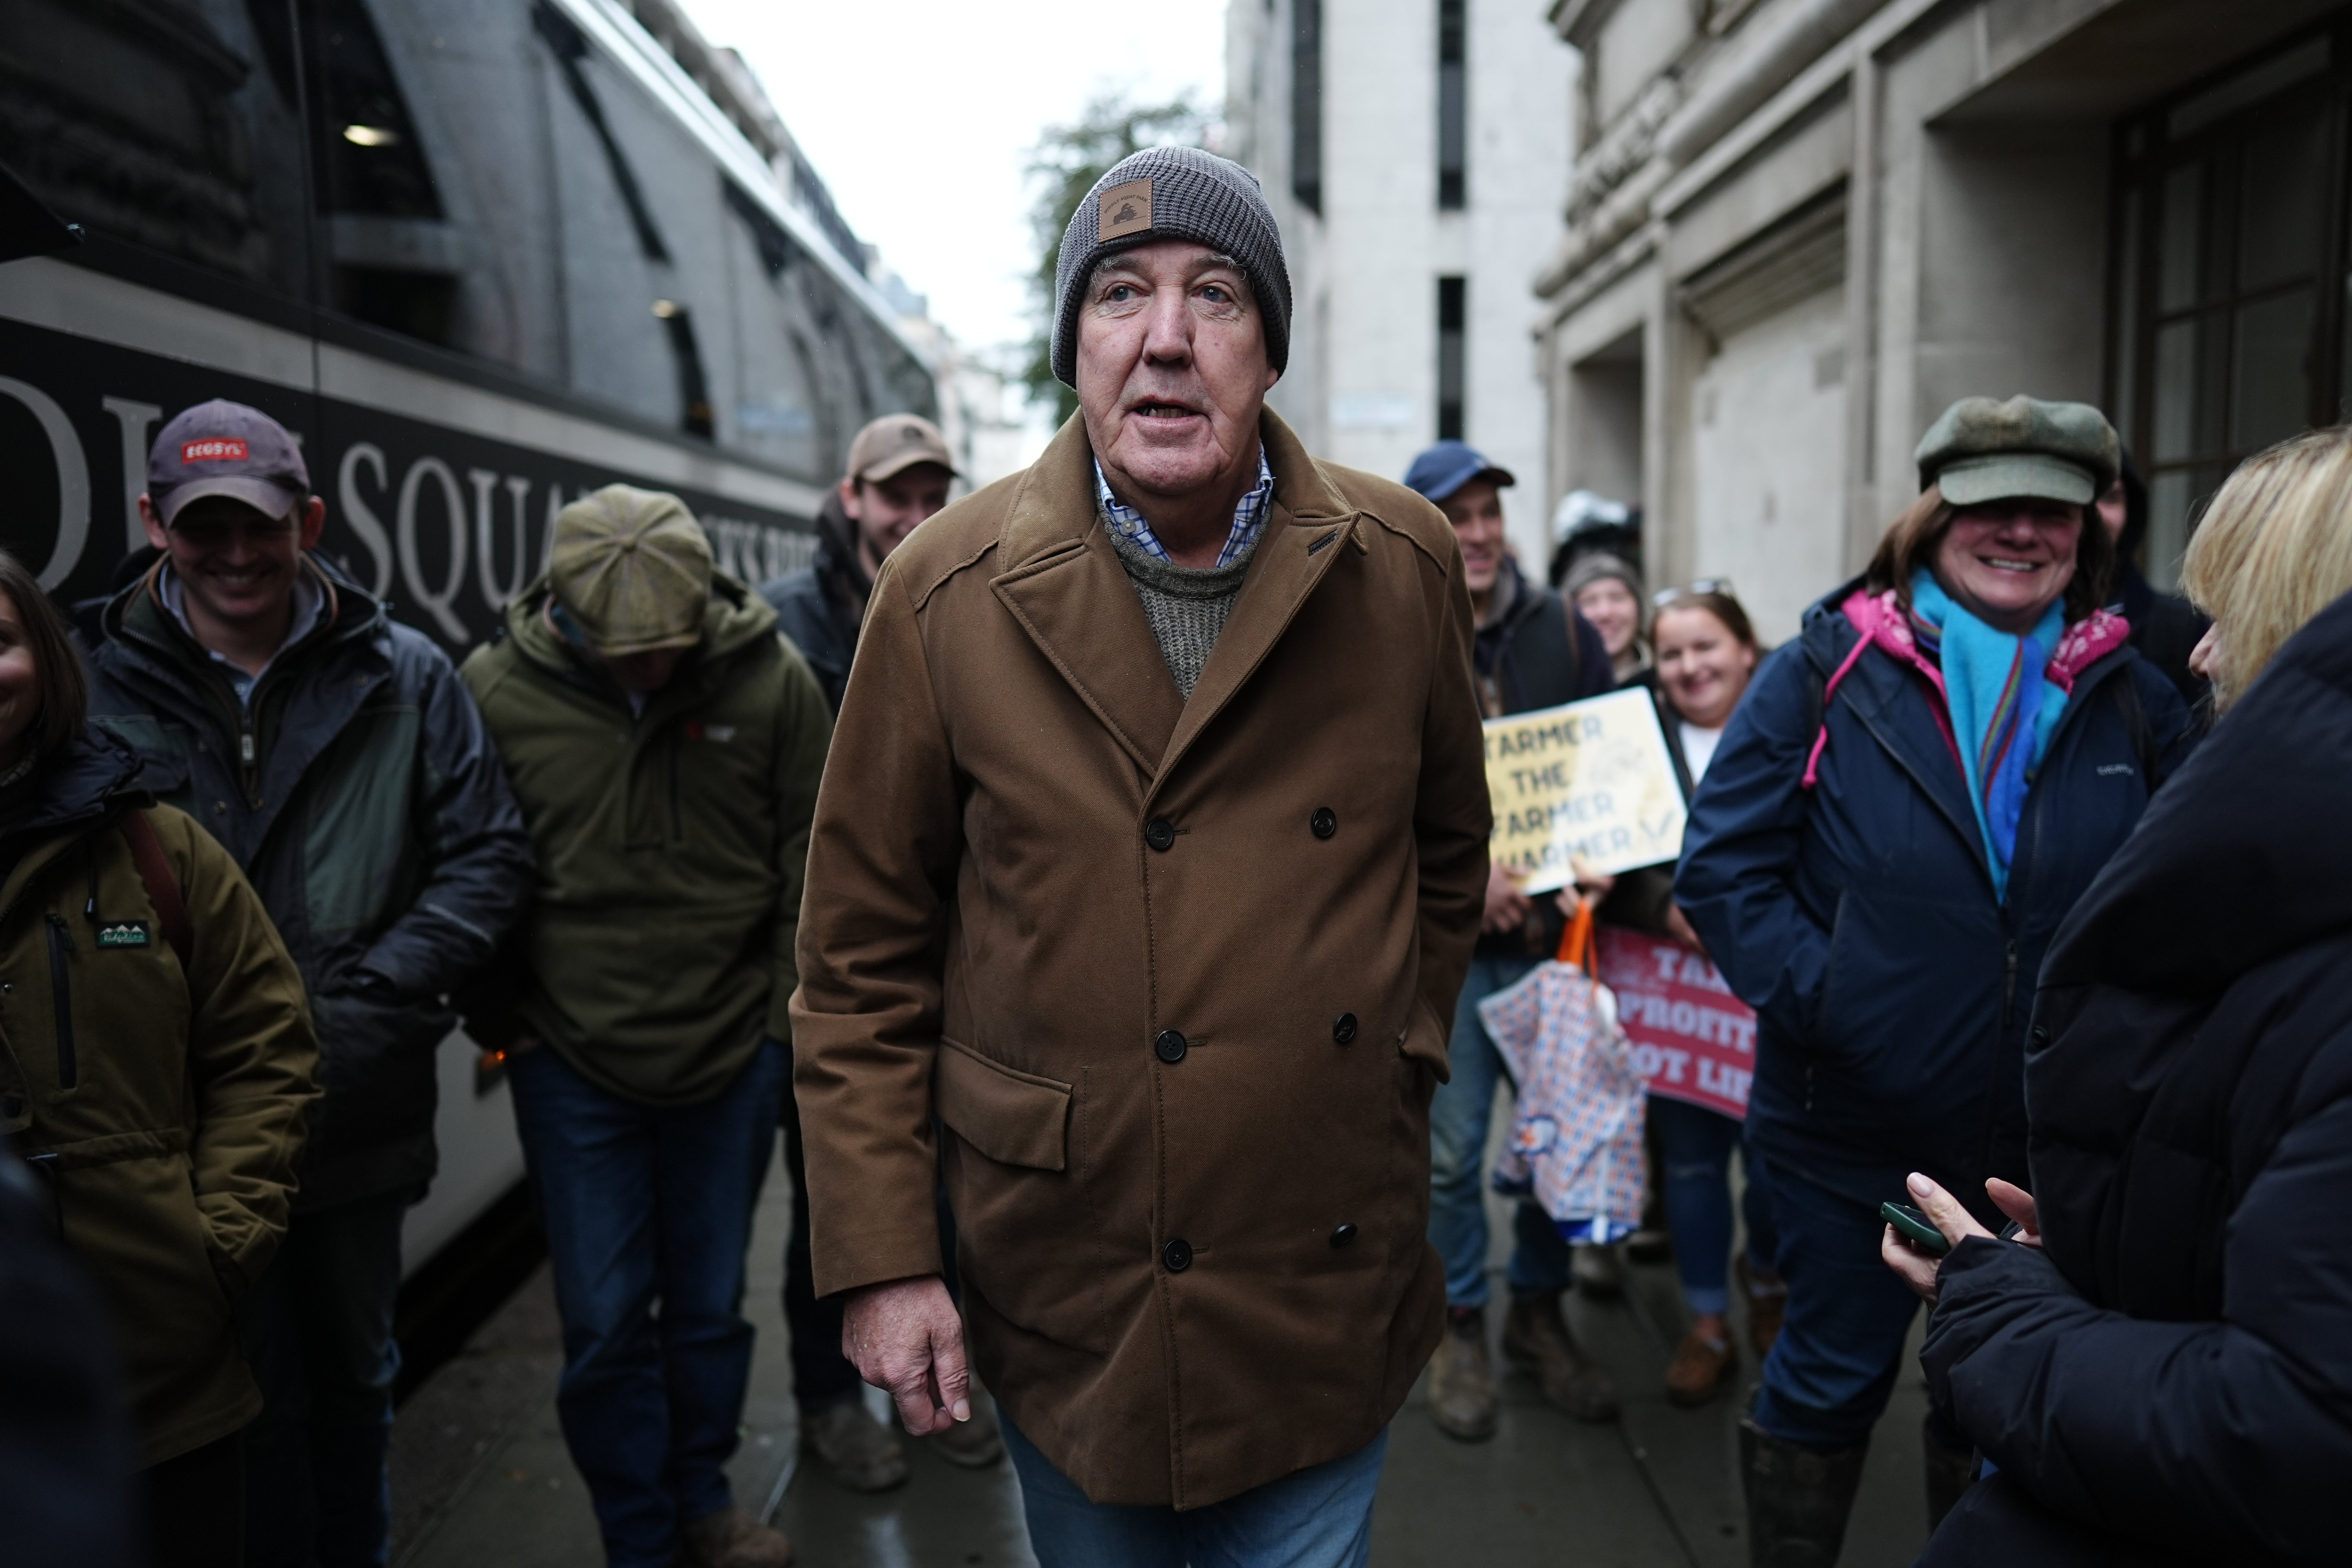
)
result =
(481, 256)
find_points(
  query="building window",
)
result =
(1453, 105)
(2230, 203)
(1306, 104)
(1450, 316)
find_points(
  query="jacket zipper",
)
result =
(2008, 984)
(61, 946)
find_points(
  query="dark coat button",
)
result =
(1177, 1255)
(1341, 1235)
(1169, 1045)
(1160, 833)
(1325, 822)
(1343, 1027)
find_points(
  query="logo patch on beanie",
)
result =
(1126, 209)
(213, 449)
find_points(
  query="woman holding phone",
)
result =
(1913, 796)
(2158, 1373)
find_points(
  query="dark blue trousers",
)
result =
(317, 1333)
(648, 1214)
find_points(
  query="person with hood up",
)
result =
(156, 1063)
(665, 744)
(1915, 792)
(2157, 1374)
(337, 756)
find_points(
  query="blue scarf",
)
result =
(2004, 708)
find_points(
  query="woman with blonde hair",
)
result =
(1910, 799)
(2155, 1367)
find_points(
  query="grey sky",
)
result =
(920, 115)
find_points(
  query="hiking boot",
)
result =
(851, 1447)
(1767, 1303)
(731, 1538)
(975, 1443)
(1462, 1378)
(1600, 1273)
(1651, 1244)
(1536, 1340)
(1700, 1369)
(1798, 1500)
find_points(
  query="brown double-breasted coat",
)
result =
(1188, 1266)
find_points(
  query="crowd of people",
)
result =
(1090, 880)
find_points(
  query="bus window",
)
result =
(172, 128)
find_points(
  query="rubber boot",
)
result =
(1951, 1470)
(1798, 1500)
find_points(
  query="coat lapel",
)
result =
(1065, 587)
(1304, 535)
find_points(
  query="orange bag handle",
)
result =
(1576, 943)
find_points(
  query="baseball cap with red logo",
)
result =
(223, 448)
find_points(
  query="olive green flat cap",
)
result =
(1982, 450)
(633, 568)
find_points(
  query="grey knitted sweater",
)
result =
(1187, 606)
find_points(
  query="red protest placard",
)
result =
(1692, 1038)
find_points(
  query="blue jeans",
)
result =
(1695, 1147)
(648, 1205)
(317, 1333)
(1318, 1518)
(1458, 1119)
(1827, 1380)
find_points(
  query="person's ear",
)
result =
(152, 521)
(314, 521)
(847, 491)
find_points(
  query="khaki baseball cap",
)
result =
(633, 568)
(894, 443)
(1982, 450)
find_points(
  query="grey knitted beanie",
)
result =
(1172, 192)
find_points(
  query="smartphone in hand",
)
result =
(1916, 1228)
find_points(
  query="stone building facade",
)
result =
(1415, 152)
(1798, 228)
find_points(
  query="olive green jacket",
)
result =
(657, 950)
(166, 1105)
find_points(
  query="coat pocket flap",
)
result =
(1013, 1118)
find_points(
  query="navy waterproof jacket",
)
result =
(1858, 918)
(374, 820)
(2171, 1381)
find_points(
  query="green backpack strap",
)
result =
(162, 887)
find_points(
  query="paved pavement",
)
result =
(480, 1478)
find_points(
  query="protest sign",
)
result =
(1590, 779)
(1693, 1039)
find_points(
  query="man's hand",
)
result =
(905, 1338)
(1506, 907)
(1918, 1269)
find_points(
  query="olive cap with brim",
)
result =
(632, 568)
(1983, 450)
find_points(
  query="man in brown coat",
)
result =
(1148, 859)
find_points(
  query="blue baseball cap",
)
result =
(1448, 466)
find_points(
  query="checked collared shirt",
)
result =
(1249, 518)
